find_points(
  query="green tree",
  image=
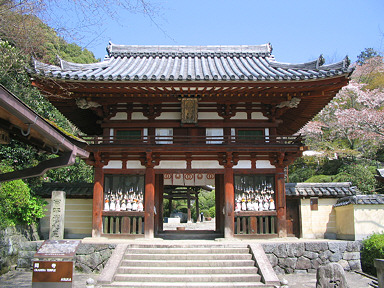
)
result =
(366, 54)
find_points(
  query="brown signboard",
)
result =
(52, 274)
(57, 249)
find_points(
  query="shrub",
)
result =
(206, 213)
(17, 205)
(212, 211)
(320, 179)
(373, 248)
(360, 176)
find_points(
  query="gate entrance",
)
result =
(189, 212)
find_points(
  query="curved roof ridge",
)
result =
(116, 50)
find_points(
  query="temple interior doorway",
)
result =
(189, 211)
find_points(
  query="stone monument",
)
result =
(331, 275)
(56, 226)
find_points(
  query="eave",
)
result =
(23, 124)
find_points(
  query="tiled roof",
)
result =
(361, 200)
(191, 63)
(332, 190)
(72, 190)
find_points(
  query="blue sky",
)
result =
(298, 30)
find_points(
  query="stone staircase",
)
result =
(184, 266)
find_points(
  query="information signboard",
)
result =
(52, 274)
(55, 273)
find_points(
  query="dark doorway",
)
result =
(179, 212)
(293, 217)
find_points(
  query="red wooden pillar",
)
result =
(229, 195)
(149, 218)
(98, 199)
(281, 204)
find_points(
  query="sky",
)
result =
(299, 31)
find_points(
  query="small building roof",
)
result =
(192, 63)
(325, 190)
(361, 200)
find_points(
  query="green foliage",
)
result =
(320, 179)
(372, 248)
(206, 213)
(359, 175)
(212, 211)
(206, 200)
(367, 53)
(302, 169)
(360, 172)
(17, 205)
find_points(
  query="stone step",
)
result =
(187, 257)
(187, 278)
(187, 263)
(189, 285)
(189, 250)
(187, 270)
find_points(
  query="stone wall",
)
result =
(90, 258)
(11, 241)
(293, 257)
(303, 257)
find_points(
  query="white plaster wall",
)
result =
(240, 116)
(243, 164)
(169, 116)
(345, 226)
(134, 164)
(318, 223)
(368, 219)
(264, 164)
(77, 221)
(209, 164)
(120, 116)
(209, 115)
(138, 116)
(114, 164)
(258, 116)
(172, 165)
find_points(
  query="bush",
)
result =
(373, 248)
(206, 213)
(17, 205)
(360, 176)
(320, 179)
(212, 211)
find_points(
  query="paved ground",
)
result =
(23, 279)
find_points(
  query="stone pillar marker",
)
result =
(56, 224)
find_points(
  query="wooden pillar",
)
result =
(219, 202)
(149, 218)
(189, 205)
(98, 201)
(159, 188)
(281, 204)
(229, 195)
(197, 208)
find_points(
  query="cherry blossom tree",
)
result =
(354, 119)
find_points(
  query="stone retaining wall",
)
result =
(90, 258)
(294, 257)
(11, 241)
(303, 257)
